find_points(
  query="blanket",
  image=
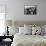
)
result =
(29, 40)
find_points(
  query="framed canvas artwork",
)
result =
(30, 10)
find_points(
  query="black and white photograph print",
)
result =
(30, 10)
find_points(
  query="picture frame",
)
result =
(30, 10)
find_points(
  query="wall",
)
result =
(41, 11)
(15, 9)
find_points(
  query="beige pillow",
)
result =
(28, 26)
(24, 30)
(13, 30)
(36, 30)
(21, 30)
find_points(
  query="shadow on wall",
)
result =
(21, 23)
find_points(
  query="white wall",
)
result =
(15, 9)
